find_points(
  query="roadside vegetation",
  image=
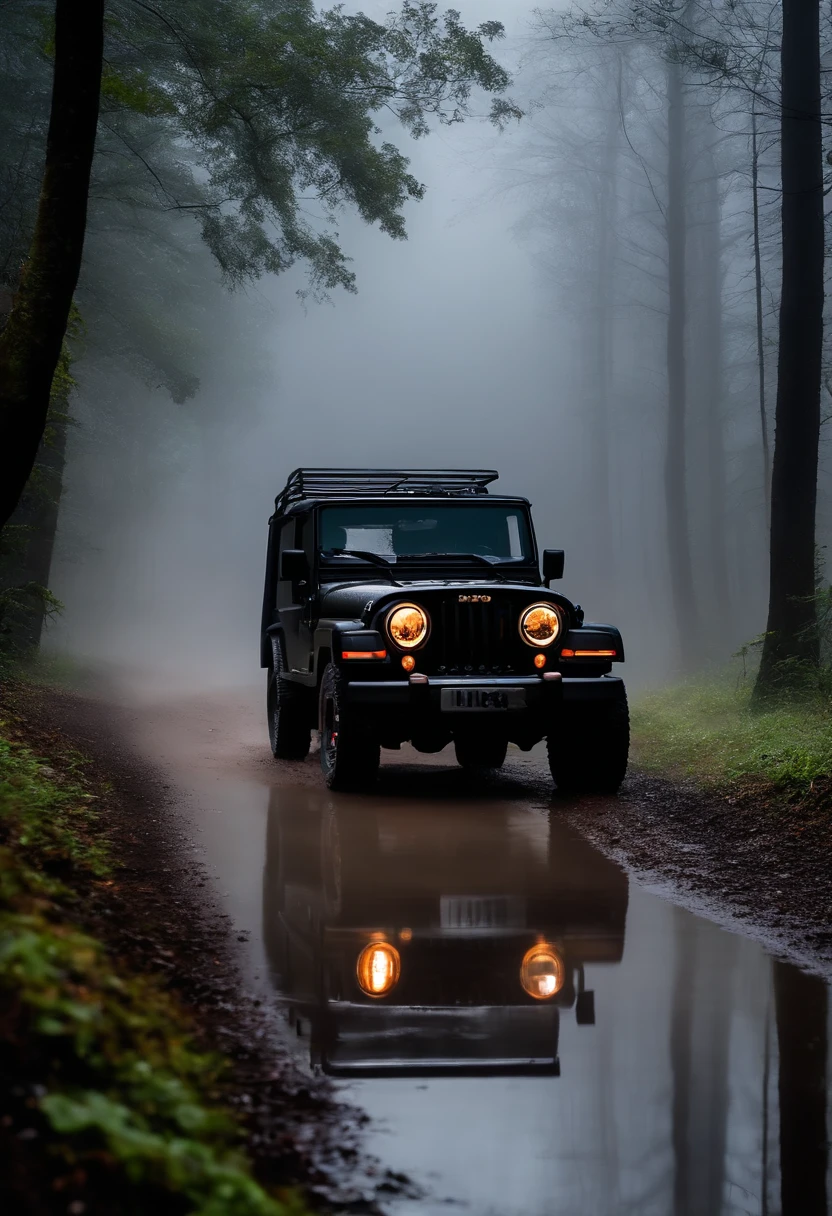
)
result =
(111, 1105)
(708, 729)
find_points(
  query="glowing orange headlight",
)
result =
(539, 625)
(541, 972)
(378, 968)
(407, 625)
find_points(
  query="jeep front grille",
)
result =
(471, 638)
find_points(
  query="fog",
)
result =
(474, 343)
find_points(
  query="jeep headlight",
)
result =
(539, 624)
(542, 972)
(378, 968)
(407, 625)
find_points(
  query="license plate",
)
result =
(482, 698)
(468, 913)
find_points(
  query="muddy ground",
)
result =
(753, 864)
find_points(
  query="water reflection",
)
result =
(685, 1077)
(801, 1003)
(472, 923)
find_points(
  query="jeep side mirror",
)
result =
(293, 565)
(552, 564)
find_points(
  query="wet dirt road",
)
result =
(535, 1033)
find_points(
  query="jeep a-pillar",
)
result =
(408, 605)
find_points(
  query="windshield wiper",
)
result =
(375, 559)
(485, 559)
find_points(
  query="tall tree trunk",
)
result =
(676, 496)
(601, 324)
(801, 1009)
(30, 344)
(791, 631)
(758, 296)
(712, 368)
(37, 512)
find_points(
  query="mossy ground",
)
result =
(706, 729)
(111, 1106)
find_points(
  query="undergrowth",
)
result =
(101, 1063)
(707, 729)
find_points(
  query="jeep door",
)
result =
(293, 597)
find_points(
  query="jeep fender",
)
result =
(325, 640)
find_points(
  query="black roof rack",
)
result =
(375, 483)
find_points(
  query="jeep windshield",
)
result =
(425, 534)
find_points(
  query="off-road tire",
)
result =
(349, 754)
(588, 747)
(287, 710)
(480, 753)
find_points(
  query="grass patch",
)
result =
(706, 729)
(105, 1080)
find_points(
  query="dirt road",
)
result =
(530, 1028)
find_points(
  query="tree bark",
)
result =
(791, 633)
(676, 496)
(602, 325)
(713, 388)
(758, 296)
(37, 512)
(801, 1008)
(30, 344)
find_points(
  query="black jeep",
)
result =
(407, 605)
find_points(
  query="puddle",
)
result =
(643, 1061)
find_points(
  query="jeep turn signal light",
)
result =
(540, 660)
(363, 654)
(587, 654)
(408, 662)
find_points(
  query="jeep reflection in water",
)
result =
(408, 605)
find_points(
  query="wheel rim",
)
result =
(329, 734)
(273, 711)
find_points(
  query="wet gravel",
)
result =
(756, 864)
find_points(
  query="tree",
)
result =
(269, 109)
(791, 636)
(31, 342)
(675, 469)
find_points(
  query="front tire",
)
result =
(478, 753)
(349, 755)
(588, 747)
(286, 707)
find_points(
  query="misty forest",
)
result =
(581, 244)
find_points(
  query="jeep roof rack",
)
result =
(375, 483)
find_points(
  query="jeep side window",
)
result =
(515, 544)
(284, 586)
(305, 538)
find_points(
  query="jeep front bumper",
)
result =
(538, 694)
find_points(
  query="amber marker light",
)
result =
(378, 968)
(587, 654)
(363, 654)
(540, 661)
(408, 662)
(541, 972)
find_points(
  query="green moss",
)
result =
(706, 729)
(127, 1096)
